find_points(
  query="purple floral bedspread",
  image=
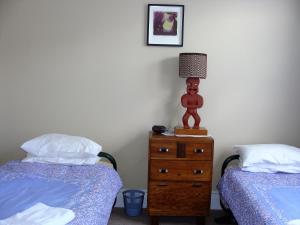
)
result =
(261, 198)
(96, 187)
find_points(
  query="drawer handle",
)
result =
(199, 150)
(198, 172)
(196, 185)
(163, 170)
(162, 184)
(163, 149)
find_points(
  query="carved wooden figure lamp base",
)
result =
(191, 101)
(193, 67)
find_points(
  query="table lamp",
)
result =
(192, 66)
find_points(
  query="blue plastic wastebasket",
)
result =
(133, 202)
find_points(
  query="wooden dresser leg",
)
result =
(154, 220)
(200, 220)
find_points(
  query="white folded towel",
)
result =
(40, 214)
(294, 222)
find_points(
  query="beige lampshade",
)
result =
(192, 65)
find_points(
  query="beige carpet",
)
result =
(118, 217)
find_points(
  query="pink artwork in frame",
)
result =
(165, 25)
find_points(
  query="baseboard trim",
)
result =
(215, 199)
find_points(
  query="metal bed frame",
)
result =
(228, 218)
(110, 158)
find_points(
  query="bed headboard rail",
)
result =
(109, 157)
(227, 161)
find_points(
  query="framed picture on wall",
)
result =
(165, 25)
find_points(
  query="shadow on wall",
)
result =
(171, 82)
(132, 161)
(132, 158)
(219, 160)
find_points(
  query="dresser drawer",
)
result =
(180, 170)
(195, 151)
(198, 151)
(179, 198)
(163, 149)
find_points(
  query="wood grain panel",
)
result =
(163, 149)
(179, 176)
(198, 151)
(179, 198)
(180, 170)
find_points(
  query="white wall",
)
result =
(82, 67)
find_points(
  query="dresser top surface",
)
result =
(203, 139)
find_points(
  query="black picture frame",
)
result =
(165, 25)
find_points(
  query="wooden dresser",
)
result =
(179, 176)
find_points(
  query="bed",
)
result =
(260, 198)
(87, 190)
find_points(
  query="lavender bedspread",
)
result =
(89, 191)
(261, 198)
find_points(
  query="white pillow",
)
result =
(269, 168)
(270, 158)
(60, 144)
(79, 160)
